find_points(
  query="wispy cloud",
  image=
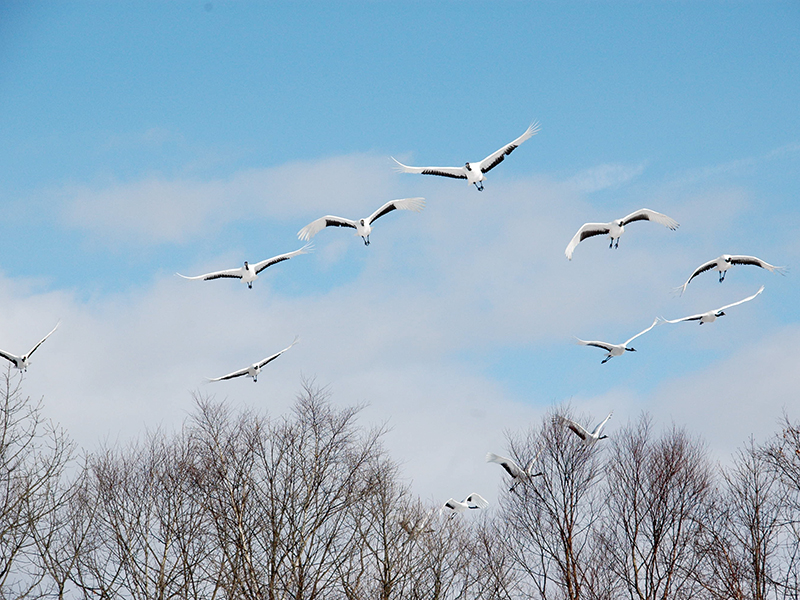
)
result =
(739, 165)
(149, 211)
(156, 210)
(606, 176)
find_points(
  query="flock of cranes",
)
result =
(475, 173)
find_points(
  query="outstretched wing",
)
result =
(454, 172)
(230, 273)
(761, 289)
(313, 228)
(587, 230)
(233, 375)
(689, 318)
(604, 345)
(496, 158)
(655, 321)
(41, 341)
(531, 462)
(415, 204)
(281, 257)
(269, 359)
(701, 269)
(476, 501)
(599, 427)
(645, 214)
(10, 357)
(454, 505)
(509, 465)
(752, 260)
(575, 427)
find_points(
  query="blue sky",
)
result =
(141, 139)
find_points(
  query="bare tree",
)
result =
(63, 535)
(656, 490)
(389, 524)
(310, 506)
(226, 465)
(441, 569)
(550, 519)
(33, 457)
(743, 530)
(493, 576)
(146, 536)
(327, 470)
(783, 455)
(285, 496)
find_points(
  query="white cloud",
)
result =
(739, 396)
(149, 211)
(739, 165)
(122, 364)
(606, 176)
(409, 327)
(155, 210)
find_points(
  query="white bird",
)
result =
(473, 172)
(616, 228)
(711, 316)
(254, 369)
(616, 349)
(23, 362)
(473, 501)
(725, 262)
(587, 438)
(513, 469)
(249, 273)
(363, 227)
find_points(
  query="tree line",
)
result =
(310, 505)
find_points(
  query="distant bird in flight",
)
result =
(616, 228)
(363, 227)
(616, 349)
(711, 316)
(587, 438)
(725, 262)
(23, 362)
(249, 273)
(254, 369)
(513, 469)
(473, 172)
(473, 501)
